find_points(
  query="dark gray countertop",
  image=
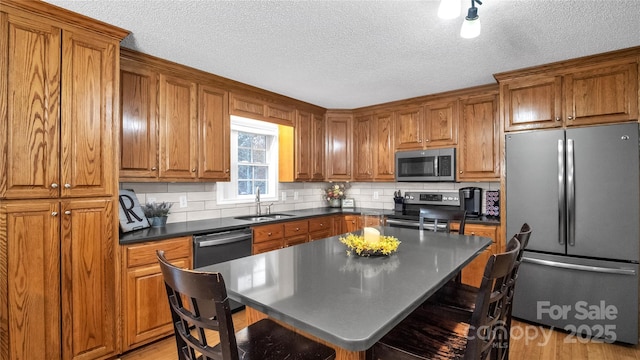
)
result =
(189, 228)
(348, 301)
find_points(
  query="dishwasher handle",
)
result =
(225, 240)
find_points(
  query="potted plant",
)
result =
(157, 213)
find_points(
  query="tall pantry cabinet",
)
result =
(58, 184)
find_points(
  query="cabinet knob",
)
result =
(419, 140)
(67, 186)
(55, 213)
(54, 186)
(460, 171)
(268, 234)
(558, 118)
(569, 117)
(194, 170)
(154, 168)
(426, 140)
(68, 212)
(297, 229)
(321, 224)
(227, 171)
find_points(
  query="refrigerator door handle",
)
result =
(597, 269)
(562, 210)
(571, 195)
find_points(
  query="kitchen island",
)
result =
(348, 302)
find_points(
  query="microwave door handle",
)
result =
(436, 169)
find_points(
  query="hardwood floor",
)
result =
(528, 342)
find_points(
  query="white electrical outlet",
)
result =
(284, 196)
(295, 195)
(183, 202)
(375, 195)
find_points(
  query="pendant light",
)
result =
(471, 24)
(449, 9)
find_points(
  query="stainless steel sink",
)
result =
(267, 217)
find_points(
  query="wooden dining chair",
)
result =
(444, 218)
(429, 334)
(264, 340)
(462, 296)
(458, 300)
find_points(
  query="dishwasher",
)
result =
(213, 248)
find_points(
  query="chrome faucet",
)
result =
(258, 206)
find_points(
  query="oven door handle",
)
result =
(397, 222)
(222, 241)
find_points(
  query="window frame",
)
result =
(227, 193)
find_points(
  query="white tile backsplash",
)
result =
(202, 204)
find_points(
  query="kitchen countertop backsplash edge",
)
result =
(198, 227)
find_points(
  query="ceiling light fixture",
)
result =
(471, 24)
(449, 9)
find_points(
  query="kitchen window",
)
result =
(254, 162)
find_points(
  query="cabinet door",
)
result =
(532, 103)
(147, 309)
(139, 122)
(303, 146)
(363, 154)
(214, 134)
(88, 279)
(317, 161)
(604, 95)
(339, 146)
(30, 289)
(384, 147)
(479, 146)
(89, 85)
(178, 131)
(29, 109)
(409, 125)
(441, 123)
(351, 223)
(472, 273)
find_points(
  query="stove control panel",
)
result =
(432, 198)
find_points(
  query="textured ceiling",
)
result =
(349, 54)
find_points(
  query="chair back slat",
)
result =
(490, 312)
(442, 216)
(208, 309)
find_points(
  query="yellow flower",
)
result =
(356, 243)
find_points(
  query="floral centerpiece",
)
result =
(363, 246)
(335, 193)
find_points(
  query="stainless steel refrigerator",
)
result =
(579, 191)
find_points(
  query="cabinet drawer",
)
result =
(294, 228)
(320, 234)
(322, 223)
(268, 232)
(265, 246)
(145, 253)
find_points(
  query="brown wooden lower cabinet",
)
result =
(276, 236)
(146, 315)
(472, 273)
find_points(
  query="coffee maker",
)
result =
(471, 201)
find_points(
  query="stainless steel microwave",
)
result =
(426, 165)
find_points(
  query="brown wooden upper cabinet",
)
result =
(373, 147)
(433, 125)
(187, 139)
(603, 92)
(479, 147)
(56, 133)
(254, 108)
(339, 152)
(309, 146)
